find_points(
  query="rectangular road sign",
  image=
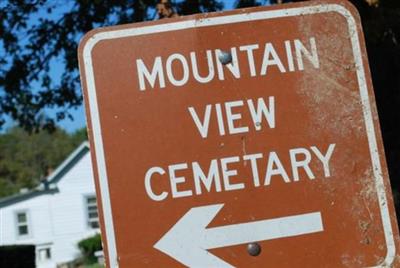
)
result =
(247, 138)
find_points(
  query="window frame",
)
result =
(27, 223)
(88, 219)
(48, 249)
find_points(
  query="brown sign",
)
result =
(219, 135)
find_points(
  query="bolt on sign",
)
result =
(247, 138)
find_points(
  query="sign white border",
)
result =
(229, 19)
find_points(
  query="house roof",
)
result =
(49, 185)
(68, 163)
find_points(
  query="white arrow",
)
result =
(189, 239)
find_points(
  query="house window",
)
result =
(92, 214)
(44, 254)
(22, 223)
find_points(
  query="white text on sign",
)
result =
(188, 178)
(222, 174)
(258, 111)
(162, 69)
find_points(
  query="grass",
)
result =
(96, 265)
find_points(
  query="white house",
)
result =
(56, 215)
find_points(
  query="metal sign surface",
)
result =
(213, 131)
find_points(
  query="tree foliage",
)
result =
(88, 247)
(26, 159)
(38, 36)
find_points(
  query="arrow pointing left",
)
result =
(189, 239)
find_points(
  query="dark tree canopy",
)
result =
(35, 35)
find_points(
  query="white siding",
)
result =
(40, 226)
(41, 229)
(58, 220)
(69, 211)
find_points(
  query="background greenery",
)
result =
(88, 247)
(26, 159)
